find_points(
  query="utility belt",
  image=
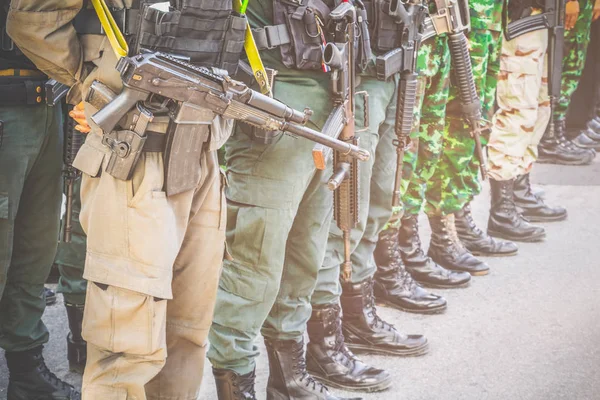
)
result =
(29, 87)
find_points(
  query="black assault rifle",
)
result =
(453, 16)
(403, 60)
(194, 89)
(340, 56)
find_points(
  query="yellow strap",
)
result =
(114, 35)
(258, 69)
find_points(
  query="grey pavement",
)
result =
(529, 330)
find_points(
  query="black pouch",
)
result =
(208, 33)
(382, 28)
(304, 20)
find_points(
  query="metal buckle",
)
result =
(267, 30)
(7, 43)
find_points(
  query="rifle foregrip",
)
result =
(407, 99)
(463, 72)
(525, 25)
(108, 117)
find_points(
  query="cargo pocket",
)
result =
(152, 234)
(89, 158)
(124, 321)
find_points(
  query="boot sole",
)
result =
(546, 219)
(484, 254)
(362, 349)
(531, 239)
(379, 387)
(440, 286)
(428, 311)
(574, 163)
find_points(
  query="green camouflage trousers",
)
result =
(427, 137)
(458, 172)
(576, 43)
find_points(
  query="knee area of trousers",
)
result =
(244, 297)
(118, 320)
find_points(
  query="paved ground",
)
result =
(529, 330)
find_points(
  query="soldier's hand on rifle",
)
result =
(78, 115)
(572, 14)
(596, 10)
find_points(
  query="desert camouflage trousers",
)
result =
(523, 106)
(576, 44)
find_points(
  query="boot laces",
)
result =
(377, 322)
(245, 383)
(299, 367)
(471, 222)
(51, 378)
(340, 348)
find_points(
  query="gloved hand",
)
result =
(596, 10)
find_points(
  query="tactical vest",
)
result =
(300, 29)
(10, 56)
(207, 32)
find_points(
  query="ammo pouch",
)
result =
(297, 31)
(188, 131)
(383, 28)
(207, 32)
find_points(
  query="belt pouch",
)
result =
(186, 135)
(304, 24)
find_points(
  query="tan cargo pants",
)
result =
(523, 106)
(153, 265)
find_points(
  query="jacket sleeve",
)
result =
(43, 31)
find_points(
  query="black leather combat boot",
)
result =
(232, 386)
(446, 249)
(393, 284)
(366, 332)
(50, 296)
(421, 267)
(477, 241)
(505, 221)
(558, 149)
(30, 378)
(76, 346)
(288, 378)
(330, 361)
(584, 140)
(533, 207)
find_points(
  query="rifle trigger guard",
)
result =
(365, 96)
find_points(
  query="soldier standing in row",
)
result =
(559, 149)
(144, 247)
(577, 40)
(279, 213)
(30, 197)
(518, 125)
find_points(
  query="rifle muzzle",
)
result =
(333, 56)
